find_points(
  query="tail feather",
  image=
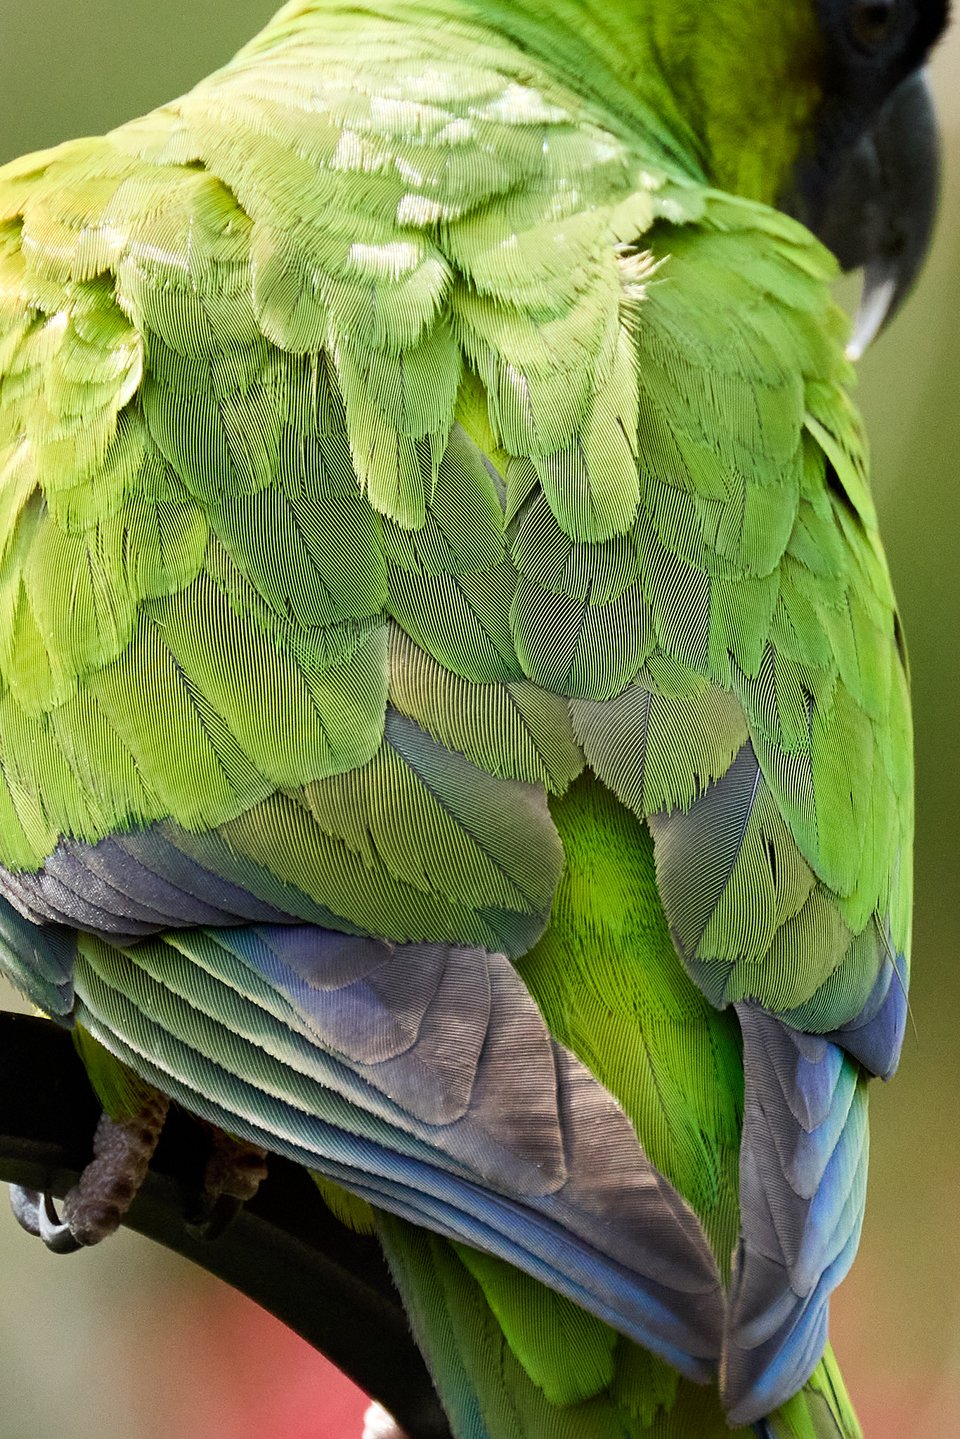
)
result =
(821, 1410)
(486, 1390)
(490, 1389)
(802, 1191)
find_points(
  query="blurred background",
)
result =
(127, 1342)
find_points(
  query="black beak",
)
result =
(876, 209)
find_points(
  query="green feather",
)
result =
(391, 431)
(120, 1090)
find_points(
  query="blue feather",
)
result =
(331, 1050)
(39, 961)
(875, 1035)
(802, 1193)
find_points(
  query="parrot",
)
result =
(454, 717)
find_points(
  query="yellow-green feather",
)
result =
(376, 452)
(122, 1093)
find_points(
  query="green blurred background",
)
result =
(128, 1343)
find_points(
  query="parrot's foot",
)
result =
(234, 1172)
(95, 1206)
(378, 1424)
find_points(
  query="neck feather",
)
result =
(727, 89)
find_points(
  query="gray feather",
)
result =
(802, 1191)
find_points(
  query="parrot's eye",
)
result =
(871, 22)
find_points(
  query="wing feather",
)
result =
(370, 462)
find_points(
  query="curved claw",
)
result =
(234, 1172)
(56, 1232)
(211, 1216)
(37, 1214)
(25, 1204)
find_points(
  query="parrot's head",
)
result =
(820, 107)
(867, 181)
